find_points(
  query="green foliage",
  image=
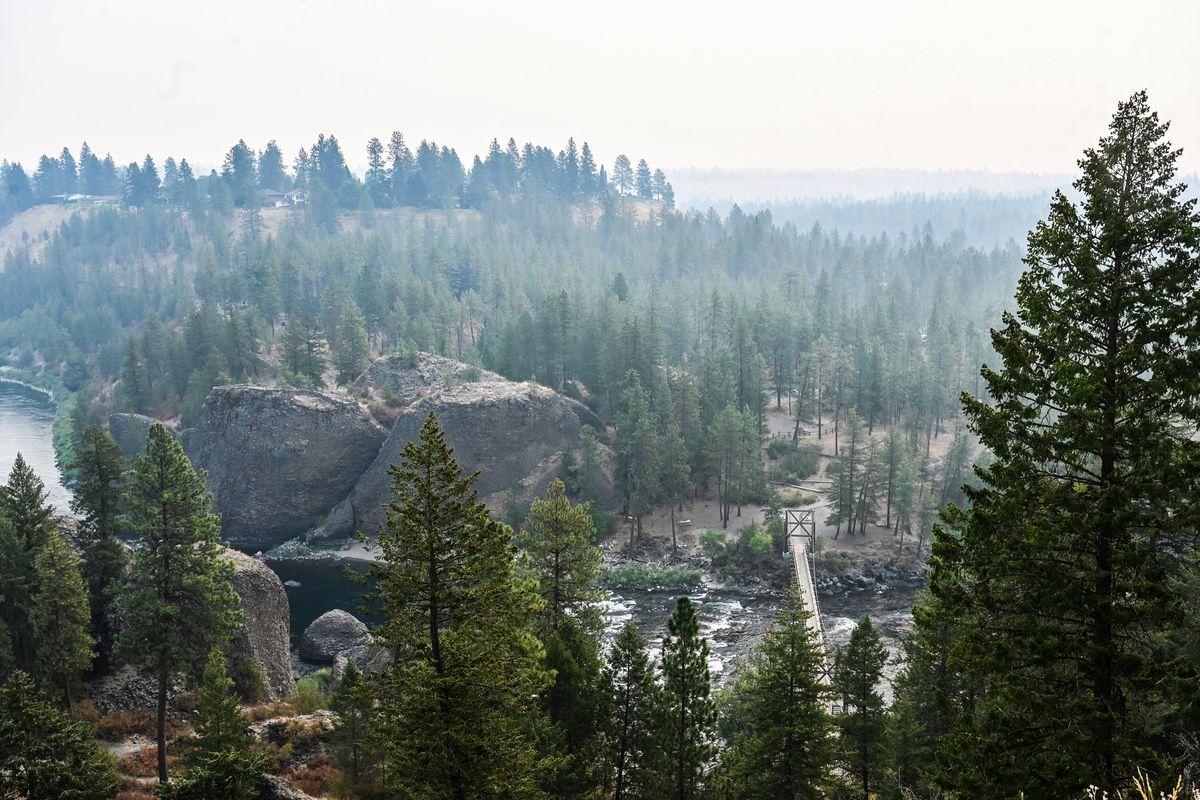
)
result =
(713, 543)
(219, 761)
(858, 670)
(1056, 582)
(309, 694)
(687, 714)
(25, 524)
(635, 575)
(59, 619)
(557, 549)
(354, 704)
(781, 744)
(100, 467)
(754, 542)
(793, 463)
(458, 617)
(44, 754)
(631, 717)
(179, 602)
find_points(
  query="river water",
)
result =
(26, 427)
(733, 622)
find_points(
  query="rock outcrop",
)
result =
(279, 459)
(332, 634)
(273, 787)
(369, 658)
(515, 433)
(130, 432)
(262, 637)
(130, 688)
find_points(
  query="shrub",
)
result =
(143, 763)
(123, 724)
(778, 448)
(316, 777)
(794, 463)
(249, 680)
(649, 576)
(310, 693)
(713, 543)
(187, 702)
(754, 541)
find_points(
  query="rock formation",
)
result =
(262, 637)
(279, 459)
(130, 432)
(331, 634)
(514, 433)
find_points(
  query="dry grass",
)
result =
(144, 762)
(1144, 789)
(120, 725)
(316, 777)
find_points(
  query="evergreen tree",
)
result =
(30, 523)
(351, 354)
(1056, 578)
(457, 620)
(687, 714)
(858, 669)
(786, 747)
(271, 173)
(100, 467)
(632, 706)
(180, 601)
(59, 619)
(219, 760)
(354, 703)
(44, 754)
(622, 174)
(557, 549)
(643, 180)
(638, 453)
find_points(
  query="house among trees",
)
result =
(86, 199)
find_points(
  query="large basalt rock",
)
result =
(332, 634)
(514, 433)
(279, 459)
(262, 636)
(130, 432)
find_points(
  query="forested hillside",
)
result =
(556, 274)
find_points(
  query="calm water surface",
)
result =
(26, 427)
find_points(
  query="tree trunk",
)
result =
(163, 777)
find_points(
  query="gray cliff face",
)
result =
(262, 636)
(515, 433)
(130, 432)
(279, 459)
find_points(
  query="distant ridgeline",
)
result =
(432, 177)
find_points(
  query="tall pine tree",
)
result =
(458, 621)
(1057, 579)
(180, 601)
(687, 713)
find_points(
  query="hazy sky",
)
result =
(1011, 85)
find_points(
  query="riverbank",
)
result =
(63, 400)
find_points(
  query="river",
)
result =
(26, 427)
(733, 622)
